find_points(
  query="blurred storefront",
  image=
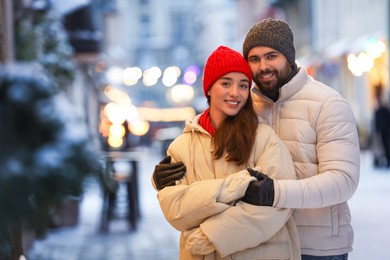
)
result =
(355, 69)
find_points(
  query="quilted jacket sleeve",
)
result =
(186, 206)
(337, 174)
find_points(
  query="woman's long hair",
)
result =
(236, 135)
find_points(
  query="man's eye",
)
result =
(271, 57)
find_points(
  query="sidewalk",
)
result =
(371, 212)
(156, 239)
(153, 239)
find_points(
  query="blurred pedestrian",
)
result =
(382, 129)
(217, 147)
(318, 127)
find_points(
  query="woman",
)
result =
(219, 145)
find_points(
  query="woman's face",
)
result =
(228, 96)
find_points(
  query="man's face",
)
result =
(270, 70)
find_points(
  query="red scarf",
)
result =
(205, 122)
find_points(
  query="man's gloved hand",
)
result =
(260, 192)
(167, 173)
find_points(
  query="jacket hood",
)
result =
(193, 126)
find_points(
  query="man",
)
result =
(318, 127)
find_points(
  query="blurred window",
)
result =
(178, 27)
(145, 32)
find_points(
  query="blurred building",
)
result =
(152, 33)
(339, 42)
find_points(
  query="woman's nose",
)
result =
(233, 91)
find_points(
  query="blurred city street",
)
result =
(156, 239)
(123, 76)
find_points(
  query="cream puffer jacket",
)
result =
(208, 198)
(318, 127)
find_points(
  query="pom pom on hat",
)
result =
(272, 33)
(221, 62)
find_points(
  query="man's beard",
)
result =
(271, 88)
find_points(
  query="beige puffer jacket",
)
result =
(318, 127)
(208, 194)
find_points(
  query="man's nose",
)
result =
(263, 65)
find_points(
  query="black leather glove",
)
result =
(260, 192)
(166, 173)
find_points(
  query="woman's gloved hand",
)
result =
(197, 243)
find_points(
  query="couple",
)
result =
(235, 193)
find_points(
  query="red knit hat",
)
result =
(221, 62)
